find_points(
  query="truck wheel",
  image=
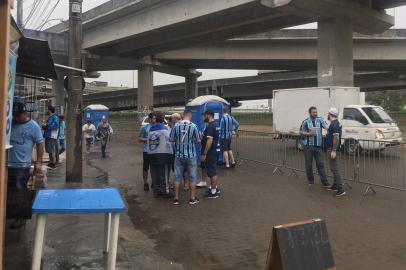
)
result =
(352, 147)
(299, 144)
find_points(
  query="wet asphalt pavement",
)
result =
(232, 232)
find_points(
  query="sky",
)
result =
(50, 12)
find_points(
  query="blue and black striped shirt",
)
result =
(227, 125)
(185, 135)
(318, 124)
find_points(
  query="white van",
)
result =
(365, 127)
(368, 127)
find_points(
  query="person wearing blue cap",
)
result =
(25, 134)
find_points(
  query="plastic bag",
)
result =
(40, 178)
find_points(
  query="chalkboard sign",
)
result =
(300, 246)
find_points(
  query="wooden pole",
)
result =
(5, 6)
(74, 162)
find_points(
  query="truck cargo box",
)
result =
(290, 106)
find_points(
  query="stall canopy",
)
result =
(35, 59)
(15, 33)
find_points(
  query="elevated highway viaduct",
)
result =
(124, 30)
(243, 88)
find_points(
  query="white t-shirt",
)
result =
(91, 127)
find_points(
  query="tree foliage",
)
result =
(393, 100)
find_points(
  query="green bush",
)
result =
(264, 119)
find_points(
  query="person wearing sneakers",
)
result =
(209, 153)
(311, 130)
(333, 141)
(51, 130)
(104, 132)
(160, 152)
(143, 138)
(228, 126)
(175, 118)
(185, 136)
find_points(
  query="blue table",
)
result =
(79, 201)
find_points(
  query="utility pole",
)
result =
(20, 16)
(74, 170)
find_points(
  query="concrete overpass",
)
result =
(142, 27)
(243, 88)
(136, 30)
(293, 49)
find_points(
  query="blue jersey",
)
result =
(23, 138)
(52, 127)
(308, 125)
(62, 128)
(185, 135)
(227, 125)
(144, 134)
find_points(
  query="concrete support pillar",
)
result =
(145, 96)
(191, 87)
(335, 53)
(58, 90)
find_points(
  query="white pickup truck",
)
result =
(365, 127)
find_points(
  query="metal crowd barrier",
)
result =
(374, 163)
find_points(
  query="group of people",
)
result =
(102, 133)
(174, 147)
(311, 130)
(25, 135)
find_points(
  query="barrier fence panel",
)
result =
(260, 147)
(381, 164)
(370, 162)
(294, 157)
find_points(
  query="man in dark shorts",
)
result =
(51, 132)
(143, 137)
(228, 126)
(209, 153)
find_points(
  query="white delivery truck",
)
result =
(365, 127)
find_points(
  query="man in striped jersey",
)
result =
(185, 136)
(311, 130)
(228, 125)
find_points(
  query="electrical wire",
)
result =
(48, 15)
(36, 13)
(33, 9)
(40, 12)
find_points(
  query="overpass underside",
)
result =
(243, 88)
(147, 34)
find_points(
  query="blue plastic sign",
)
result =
(12, 63)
